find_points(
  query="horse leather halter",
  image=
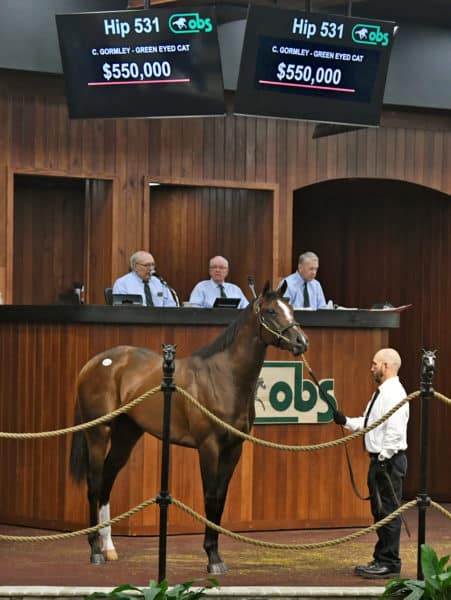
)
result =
(279, 333)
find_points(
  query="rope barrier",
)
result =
(441, 509)
(82, 426)
(215, 419)
(219, 529)
(71, 534)
(245, 436)
(442, 397)
(307, 546)
(294, 448)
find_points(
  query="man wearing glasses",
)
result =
(140, 281)
(206, 292)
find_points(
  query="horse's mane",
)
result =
(227, 336)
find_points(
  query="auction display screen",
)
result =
(142, 63)
(313, 66)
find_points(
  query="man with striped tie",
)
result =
(206, 292)
(303, 289)
(140, 280)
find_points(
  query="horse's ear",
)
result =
(283, 288)
(266, 288)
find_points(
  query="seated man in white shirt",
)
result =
(303, 289)
(140, 281)
(206, 292)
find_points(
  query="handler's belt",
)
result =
(375, 455)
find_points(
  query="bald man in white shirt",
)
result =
(386, 446)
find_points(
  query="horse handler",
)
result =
(386, 446)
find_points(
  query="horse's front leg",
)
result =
(217, 467)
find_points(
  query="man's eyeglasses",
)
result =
(145, 264)
(218, 267)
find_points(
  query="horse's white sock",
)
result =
(105, 532)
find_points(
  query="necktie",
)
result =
(149, 301)
(306, 296)
(221, 288)
(365, 423)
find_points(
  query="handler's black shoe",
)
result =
(359, 568)
(377, 571)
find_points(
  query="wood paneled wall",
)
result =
(49, 237)
(189, 225)
(390, 241)
(37, 137)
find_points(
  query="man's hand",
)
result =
(339, 418)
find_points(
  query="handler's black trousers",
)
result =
(386, 550)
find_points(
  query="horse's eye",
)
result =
(272, 312)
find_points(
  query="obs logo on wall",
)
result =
(284, 396)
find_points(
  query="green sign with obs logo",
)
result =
(284, 396)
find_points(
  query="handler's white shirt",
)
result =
(390, 437)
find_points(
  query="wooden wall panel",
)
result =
(390, 241)
(235, 148)
(97, 267)
(189, 225)
(49, 237)
(270, 489)
(5, 228)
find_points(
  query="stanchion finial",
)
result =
(427, 370)
(168, 366)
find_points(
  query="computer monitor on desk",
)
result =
(126, 299)
(226, 303)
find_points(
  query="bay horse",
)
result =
(222, 376)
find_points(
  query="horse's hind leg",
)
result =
(217, 467)
(97, 441)
(124, 436)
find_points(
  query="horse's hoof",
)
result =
(97, 559)
(110, 554)
(217, 568)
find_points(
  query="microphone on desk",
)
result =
(158, 276)
(165, 283)
(250, 283)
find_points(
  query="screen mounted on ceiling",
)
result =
(142, 63)
(314, 67)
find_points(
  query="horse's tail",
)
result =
(79, 457)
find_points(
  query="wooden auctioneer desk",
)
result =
(42, 349)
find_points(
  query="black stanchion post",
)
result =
(164, 498)
(423, 500)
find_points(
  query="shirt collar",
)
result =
(388, 382)
(301, 278)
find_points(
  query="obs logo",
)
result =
(369, 34)
(189, 23)
(284, 396)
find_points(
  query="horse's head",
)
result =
(275, 317)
